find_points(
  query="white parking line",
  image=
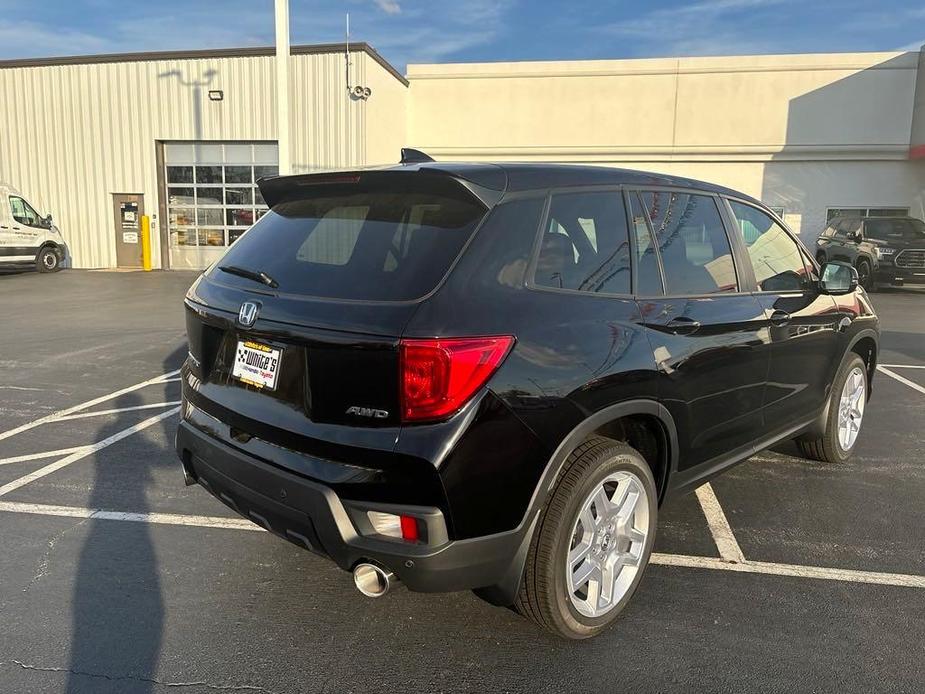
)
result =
(157, 518)
(903, 366)
(901, 379)
(98, 413)
(795, 570)
(725, 541)
(682, 560)
(83, 453)
(40, 456)
(163, 378)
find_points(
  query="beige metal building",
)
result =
(182, 136)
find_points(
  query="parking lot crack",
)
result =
(150, 680)
(42, 569)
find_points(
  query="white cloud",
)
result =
(388, 6)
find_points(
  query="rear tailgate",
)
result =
(335, 272)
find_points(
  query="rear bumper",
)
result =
(314, 517)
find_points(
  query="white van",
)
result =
(26, 237)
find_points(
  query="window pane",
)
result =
(238, 174)
(234, 235)
(586, 245)
(264, 171)
(888, 212)
(209, 217)
(211, 237)
(258, 197)
(209, 195)
(180, 196)
(266, 154)
(238, 154)
(239, 196)
(184, 237)
(181, 216)
(695, 251)
(775, 257)
(179, 174)
(648, 277)
(239, 217)
(208, 174)
(834, 212)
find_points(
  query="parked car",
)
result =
(887, 251)
(489, 377)
(26, 237)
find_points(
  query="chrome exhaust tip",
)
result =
(373, 581)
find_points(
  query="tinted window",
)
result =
(585, 245)
(776, 258)
(892, 229)
(648, 277)
(692, 241)
(363, 245)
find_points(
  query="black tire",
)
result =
(865, 275)
(543, 596)
(48, 260)
(827, 447)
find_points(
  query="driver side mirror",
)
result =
(838, 278)
(47, 221)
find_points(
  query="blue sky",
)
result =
(469, 30)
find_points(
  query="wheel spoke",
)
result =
(635, 535)
(628, 507)
(602, 504)
(583, 574)
(581, 551)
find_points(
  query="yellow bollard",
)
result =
(146, 242)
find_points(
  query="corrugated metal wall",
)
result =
(72, 135)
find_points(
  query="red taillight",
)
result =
(439, 376)
(409, 528)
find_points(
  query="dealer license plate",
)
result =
(256, 364)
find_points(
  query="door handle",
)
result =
(779, 319)
(682, 325)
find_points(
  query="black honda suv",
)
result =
(489, 377)
(887, 251)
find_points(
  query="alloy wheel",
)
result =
(851, 408)
(607, 543)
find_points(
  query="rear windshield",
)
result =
(374, 246)
(895, 229)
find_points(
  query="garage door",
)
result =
(212, 196)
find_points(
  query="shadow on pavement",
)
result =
(118, 605)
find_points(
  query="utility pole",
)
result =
(282, 85)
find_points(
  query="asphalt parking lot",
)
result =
(784, 575)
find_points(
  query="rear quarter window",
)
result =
(367, 246)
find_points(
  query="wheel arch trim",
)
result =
(505, 592)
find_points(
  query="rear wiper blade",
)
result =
(255, 275)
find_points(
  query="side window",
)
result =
(847, 228)
(585, 246)
(23, 212)
(648, 277)
(692, 241)
(776, 258)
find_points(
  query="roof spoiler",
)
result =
(414, 156)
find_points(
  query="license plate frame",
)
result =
(257, 364)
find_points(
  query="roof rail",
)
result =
(414, 156)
